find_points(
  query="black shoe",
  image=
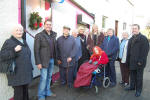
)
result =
(112, 84)
(129, 89)
(137, 94)
(121, 82)
(126, 85)
(63, 83)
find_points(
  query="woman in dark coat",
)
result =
(94, 38)
(85, 53)
(16, 49)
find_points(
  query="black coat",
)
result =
(138, 48)
(111, 47)
(66, 47)
(23, 70)
(42, 49)
(85, 52)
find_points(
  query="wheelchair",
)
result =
(100, 78)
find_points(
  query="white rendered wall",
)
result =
(65, 14)
(8, 17)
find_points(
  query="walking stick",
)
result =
(67, 73)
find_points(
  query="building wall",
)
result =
(113, 10)
(34, 6)
(8, 17)
(66, 14)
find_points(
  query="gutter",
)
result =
(83, 9)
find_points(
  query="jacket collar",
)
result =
(18, 42)
(137, 36)
(66, 37)
(52, 34)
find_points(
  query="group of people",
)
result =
(70, 51)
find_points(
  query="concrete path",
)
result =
(115, 93)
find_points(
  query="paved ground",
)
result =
(115, 93)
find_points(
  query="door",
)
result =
(116, 27)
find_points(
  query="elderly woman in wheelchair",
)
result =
(88, 71)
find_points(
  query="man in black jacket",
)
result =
(138, 48)
(44, 51)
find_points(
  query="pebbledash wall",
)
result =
(8, 16)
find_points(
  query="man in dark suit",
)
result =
(138, 48)
(44, 51)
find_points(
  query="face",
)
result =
(66, 32)
(17, 32)
(110, 33)
(96, 50)
(125, 35)
(74, 34)
(105, 34)
(81, 31)
(48, 26)
(135, 30)
(95, 28)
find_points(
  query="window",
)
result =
(124, 26)
(104, 21)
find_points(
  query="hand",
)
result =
(95, 63)
(69, 59)
(18, 48)
(39, 66)
(88, 47)
(79, 57)
(90, 61)
(59, 62)
(139, 64)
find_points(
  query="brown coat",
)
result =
(90, 41)
(42, 48)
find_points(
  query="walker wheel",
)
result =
(96, 89)
(106, 82)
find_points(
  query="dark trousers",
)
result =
(124, 72)
(21, 92)
(111, 72)
(66, 75)
(75, 69)
(136, 79)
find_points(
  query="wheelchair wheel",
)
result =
(106, 82)
(96, 89)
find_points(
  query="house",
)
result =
(64, 12)
(115, 14)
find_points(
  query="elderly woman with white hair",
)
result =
(122, 59)
(16, 49)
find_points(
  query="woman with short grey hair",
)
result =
(122, 59)
(16, 49)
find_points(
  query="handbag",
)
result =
(7, 67)
(11, 68)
